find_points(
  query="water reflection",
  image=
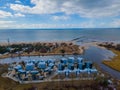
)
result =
(93, 53)
(97, 54)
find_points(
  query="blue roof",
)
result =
(85, 70)
(67, 70)
(80, 58)
(59, 71)
(63, 58)
(34, 72)
(22, 71)
(48, 69)
(50, 61)
(29, 66)
(42, 65)
(18, 67)
(51, 65)
(71, 58)
(93, 70)
(76, 70)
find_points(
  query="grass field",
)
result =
(114, 63)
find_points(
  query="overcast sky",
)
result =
(59, 13)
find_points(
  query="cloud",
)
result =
(114, 23)
(4, 14)
(17, 1)
(19, 15)
(6, 22)
(21, 8)
(84, 8)
(92, 9)
(84, 13)
(88, 24)
(41, 7)
(60, 17)
(13, 24)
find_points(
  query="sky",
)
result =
(59, 14)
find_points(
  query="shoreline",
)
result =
(81, 48)
(114, 62)
(6, 43)
(42, 49)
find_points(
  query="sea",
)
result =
(53, 35)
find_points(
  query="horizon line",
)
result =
(57, 28)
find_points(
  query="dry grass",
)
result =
(69, 49)
(115, 62)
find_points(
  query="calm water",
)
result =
(97, 55)
(31, 35)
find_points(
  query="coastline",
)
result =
(54, 48)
